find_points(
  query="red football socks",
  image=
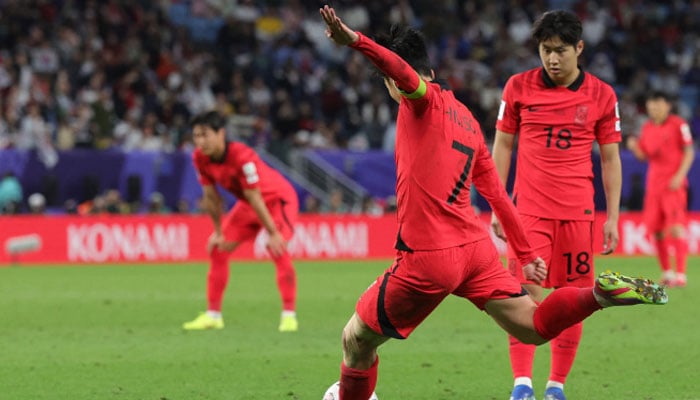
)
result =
(521, 357)
(357, 384)
(681, 246)
(663, 254)
(217, 279)
(563, 354)
(286, 281)
(563, 308)
(218, 276)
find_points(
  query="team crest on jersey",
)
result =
(581, 115)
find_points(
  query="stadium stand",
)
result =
(125, 76)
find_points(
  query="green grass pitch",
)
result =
(113, 332)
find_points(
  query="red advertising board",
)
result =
(176, 238)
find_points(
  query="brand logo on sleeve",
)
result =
(685, 133)
(251, 173)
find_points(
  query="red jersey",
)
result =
(240, 168)
(664, 145)
(440, 151)
(557, 127)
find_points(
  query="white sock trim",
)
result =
(289, 313)
(554, 384)
(523, 380)
(214, 314)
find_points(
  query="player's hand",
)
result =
(632, 142)
(611, 237)
(336, 30)
(215, 240)
(675, 182)
(276, 244)
(497, 228)
(536, 271)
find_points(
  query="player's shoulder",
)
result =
(198, 156)
(527, 75)
(677, 119)
(240, 153)
(601, 86)
(525, 81)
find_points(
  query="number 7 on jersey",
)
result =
(465, 172)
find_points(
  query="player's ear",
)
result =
(579, 48)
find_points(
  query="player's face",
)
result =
(209, 141)
(560, 60)
(658, 109)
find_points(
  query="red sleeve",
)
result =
(508, 120)
(686, 134)
(389, 63)
(487, 182)
(608, 129)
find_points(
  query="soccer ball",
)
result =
(332, 393)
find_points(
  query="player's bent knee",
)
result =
(529, 336)
(360, 343)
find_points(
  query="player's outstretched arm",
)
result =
(390, 63)
(336, 30)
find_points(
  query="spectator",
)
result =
(37, 203)
(10, 194)
(156, 204)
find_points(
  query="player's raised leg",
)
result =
(567, 306)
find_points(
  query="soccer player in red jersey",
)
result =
(442, 247)
(266, 200)
(558, 112)
(666, 142)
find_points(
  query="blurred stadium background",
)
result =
(95, 95)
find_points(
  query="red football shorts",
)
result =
(567, 248)
(241, 223)
(408, 291)
(665, 209)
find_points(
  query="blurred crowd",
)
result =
(129, 74)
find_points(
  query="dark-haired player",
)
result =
(666, 142)
(558, 112)
(266, 200)
(442, 247)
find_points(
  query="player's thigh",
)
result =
(572, 256)
(674, 208)
(540, 235)
(516, 316)
(484, 278)
(653, 213)
(240, 224)
(408, 291)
